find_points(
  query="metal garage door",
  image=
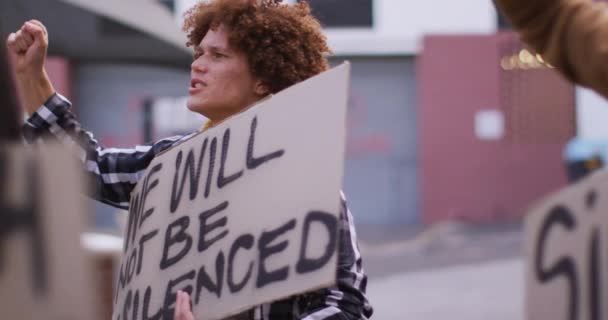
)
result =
(381, 163)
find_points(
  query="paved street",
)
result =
(491, 290)
(448, 272)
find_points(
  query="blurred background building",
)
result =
(450, 117)
(438, 129)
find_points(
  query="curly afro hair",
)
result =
(284, 43)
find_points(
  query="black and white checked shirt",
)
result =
(115, 172)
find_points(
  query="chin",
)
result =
(193, 106)
(197, 109)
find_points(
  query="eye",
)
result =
(197, 55)
(217, 55)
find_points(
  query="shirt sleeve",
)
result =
(113, 172)
(346, 300)
(570, 34)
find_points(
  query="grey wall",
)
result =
(109, 101)
(381, 181)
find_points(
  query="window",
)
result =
(169, 4)
(343, 13)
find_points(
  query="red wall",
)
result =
(59, 71)
(463, 177)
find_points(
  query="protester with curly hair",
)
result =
(244, 51)
(283, 44)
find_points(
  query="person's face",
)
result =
(221, 82)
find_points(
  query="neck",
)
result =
(208, 125)
(212, 122)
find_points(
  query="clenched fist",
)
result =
(27, 52)
(28, 47)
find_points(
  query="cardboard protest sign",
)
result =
(242, 214)
(567, 253)
(43, 269)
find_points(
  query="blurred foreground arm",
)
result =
(572, 35)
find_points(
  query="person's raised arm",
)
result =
(113, 172)
(571, 35)
(27, 50)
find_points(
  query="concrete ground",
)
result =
(449, 271)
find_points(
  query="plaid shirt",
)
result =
(115, 173)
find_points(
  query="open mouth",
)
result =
(196, 84)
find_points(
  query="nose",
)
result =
(199, 65)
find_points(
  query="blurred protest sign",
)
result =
(244, 213)
(43, 270)
(9, 111)
(567, 253)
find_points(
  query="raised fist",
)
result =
(27, 48)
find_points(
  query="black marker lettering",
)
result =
(143, 240)
(206, 227)
(146, 307)
(595, 264)
(211, 165)
(330, 222)
(147, 191)
(565, 266)
(221, 180)
(244, 241)
(131, 263)
(193, 173)
(266, 250)
(253, 162)
(126, 307)
(122, 277)
(171, 239)
(595, 279)
(138, 204)
(204, 280)
(590, 200)
(135, 305)
(134, 210)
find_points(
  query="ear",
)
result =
(261, 89)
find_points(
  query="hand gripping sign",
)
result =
(242, 214)
(567, 253)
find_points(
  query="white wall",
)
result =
(591, 115)
(400, 24)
